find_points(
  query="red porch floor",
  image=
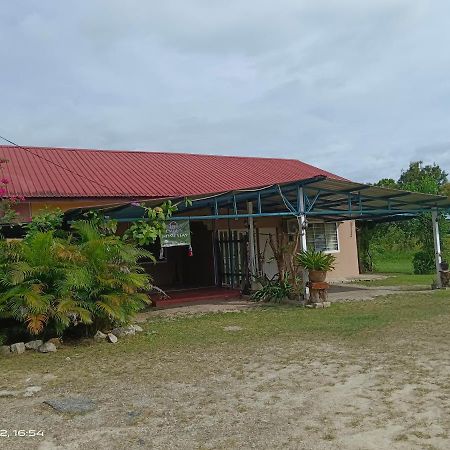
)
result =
(186, 296)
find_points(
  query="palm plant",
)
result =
(32, 283)
(83, 278)
(312, 260)
(111, 283)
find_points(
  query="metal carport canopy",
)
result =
(322, 197)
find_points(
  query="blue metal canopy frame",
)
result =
(320, 197)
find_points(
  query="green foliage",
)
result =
(146, 231)
(387, 183)
(105, 225)
(419, 178)
(274, 290)
(445, 189)
(8, 214)
(86, 277)
(312, 260)
(365, 235)
(46, 220)
(423, 262)
(376, 240)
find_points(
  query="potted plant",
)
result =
(316, 263)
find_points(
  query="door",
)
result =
(232, 255)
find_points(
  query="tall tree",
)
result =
(428, 179)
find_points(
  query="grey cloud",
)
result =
(358, 88)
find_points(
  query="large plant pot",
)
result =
(317, 276)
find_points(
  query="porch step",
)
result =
(196, 295)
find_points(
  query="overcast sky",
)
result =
(356, 87)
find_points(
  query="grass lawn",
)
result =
(399, 268)
(402, 261)
(394, 262)
(357, 375)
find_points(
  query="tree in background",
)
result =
(427, 179)
(445, 190)
(415, 234)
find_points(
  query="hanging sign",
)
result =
(178, 232)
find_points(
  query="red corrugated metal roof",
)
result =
(67, 172)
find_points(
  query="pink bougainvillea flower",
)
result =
(4, 181)
(22, 198)
(2, 192)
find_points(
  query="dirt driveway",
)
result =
(386, 390)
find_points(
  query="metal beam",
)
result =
(302, 230)
(330, 212)
(437, 247)
(230, 216)
(251, 244)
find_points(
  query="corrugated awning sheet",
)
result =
(324, 197)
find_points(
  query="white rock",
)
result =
(5, 350)
(99, 336)
(112, 338)
(47, 347)
(326, 304)
(137, 328)
(33, 345)
(31, 390)
(123, 331)
(18, 347)
(56, 341)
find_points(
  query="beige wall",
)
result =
(347, 256)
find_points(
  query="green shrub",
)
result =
(423, 262)
(274, 291)
(312, 260)
(83, 278)
(46, 220)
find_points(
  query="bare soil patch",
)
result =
(381, 388)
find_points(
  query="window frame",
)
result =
(336, 225)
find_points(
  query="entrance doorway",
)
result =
(181, 270)
(232, 257)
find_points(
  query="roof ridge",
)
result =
(154, 152)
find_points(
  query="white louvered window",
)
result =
(323, 237)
